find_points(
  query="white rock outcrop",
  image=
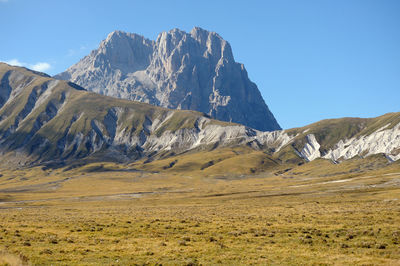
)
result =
(385, 141)
(311, 149)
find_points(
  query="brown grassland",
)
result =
(107, 214)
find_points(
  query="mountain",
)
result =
(44, 120)
(192, 71)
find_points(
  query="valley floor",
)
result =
(95, 216)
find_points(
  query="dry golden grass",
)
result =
(305, 215)
(219, 162)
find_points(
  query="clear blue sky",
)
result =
(311, 59)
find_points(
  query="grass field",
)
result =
(314, 214)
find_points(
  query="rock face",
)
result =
(193, 71)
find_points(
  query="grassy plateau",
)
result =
(317, 213)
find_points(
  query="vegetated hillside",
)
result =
(345, 138)
(179, 70)
(43, 119)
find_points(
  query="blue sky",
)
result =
(311, 59)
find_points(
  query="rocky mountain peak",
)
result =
(126, 52)
(178, 70)
(215, 45)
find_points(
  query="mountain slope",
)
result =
(193, 71)
(345, 138)
(43, 119)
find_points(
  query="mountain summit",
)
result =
(194, 71)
